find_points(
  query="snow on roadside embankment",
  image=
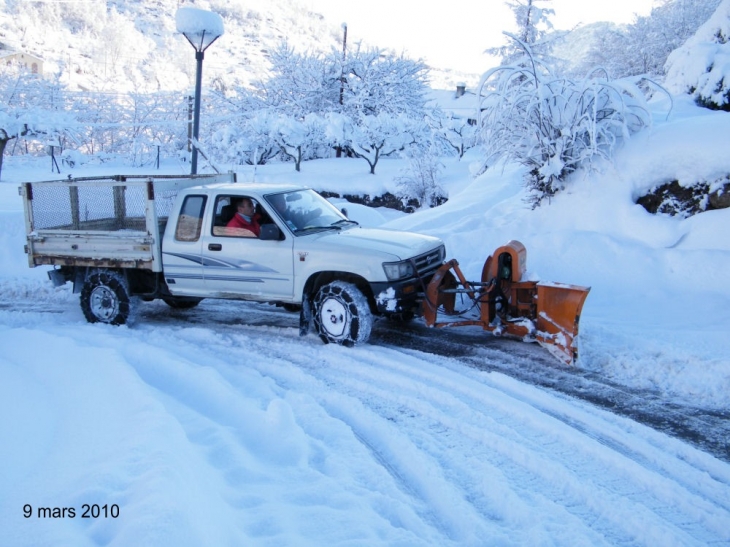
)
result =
(658, 313)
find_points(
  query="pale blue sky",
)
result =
(443, 32)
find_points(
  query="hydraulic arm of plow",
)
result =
(504, 304)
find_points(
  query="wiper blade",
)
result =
(344, 220)
(309, 229)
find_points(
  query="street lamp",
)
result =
(201, 28)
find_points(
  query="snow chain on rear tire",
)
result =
(342, 314)
(105, 297)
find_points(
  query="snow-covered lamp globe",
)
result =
(201, 28)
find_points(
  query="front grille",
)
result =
(427, 263)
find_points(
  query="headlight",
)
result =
(398, 270)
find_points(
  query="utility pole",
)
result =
(190, 120)
(338, 152)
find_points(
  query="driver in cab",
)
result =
(245, 217)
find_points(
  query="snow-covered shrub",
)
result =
(701, 67)
(554, 125)
(420, 181)
(72, 158)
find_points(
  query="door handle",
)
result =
(215, 247)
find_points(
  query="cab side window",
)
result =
(225, 209)
(190, 221)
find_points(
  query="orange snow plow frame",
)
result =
(546, 313)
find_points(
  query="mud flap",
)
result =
(558, 313)
(305, 316)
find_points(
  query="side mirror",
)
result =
(344, 212)
(270, 232)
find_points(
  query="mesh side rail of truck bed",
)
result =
(107, 203)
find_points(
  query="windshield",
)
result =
(305, 211)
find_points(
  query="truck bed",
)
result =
(113, 222)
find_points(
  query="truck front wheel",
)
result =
(105, 298)
(342, 315)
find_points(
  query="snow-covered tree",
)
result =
(534, 28)
(384, 99)
(372, 137)
(451, 134)
(302, 83)
(128, 125)
(377, 81)
(554, 125)
(31, 108)
(246, 139)
(701, 67)
(643, 46)
(370, 90)
(298, 138)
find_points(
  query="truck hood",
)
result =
(400, 245)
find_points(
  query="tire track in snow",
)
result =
(222, 347)
(370, 392)
(661, 502)
(707, 429)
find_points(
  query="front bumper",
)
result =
(399, 296)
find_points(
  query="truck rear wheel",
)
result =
(105, 298)
(342, 314)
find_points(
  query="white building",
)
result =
(26, 60)
(461, 103)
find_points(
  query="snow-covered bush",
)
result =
(701, 67)
(554, 125)
(420, 181)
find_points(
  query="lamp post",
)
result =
(201, 28)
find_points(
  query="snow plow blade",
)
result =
(505, 305)
(558, 313)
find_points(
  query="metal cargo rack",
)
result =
(115, 221)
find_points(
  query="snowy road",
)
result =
(202, 426)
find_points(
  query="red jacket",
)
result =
(239, 222)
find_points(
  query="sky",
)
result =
(455, 34)
(222, 426)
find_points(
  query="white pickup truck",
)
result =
(129, 238)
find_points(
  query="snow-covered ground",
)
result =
(221, 426)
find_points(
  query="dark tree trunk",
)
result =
(3, 144)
